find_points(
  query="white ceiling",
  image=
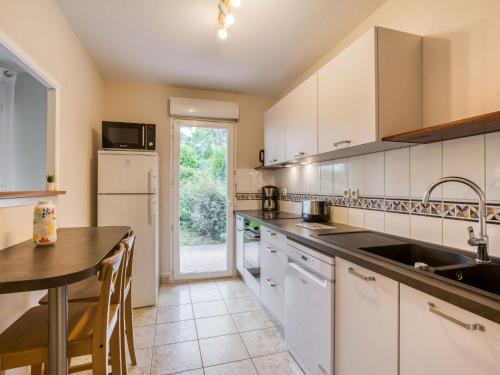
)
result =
(175, 41)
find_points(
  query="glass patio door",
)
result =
(202, 199)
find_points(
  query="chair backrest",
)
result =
(111, 276)
(129, 242)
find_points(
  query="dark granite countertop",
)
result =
(481, 303)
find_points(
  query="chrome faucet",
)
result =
(481, 241)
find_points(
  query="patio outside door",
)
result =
(202, 199)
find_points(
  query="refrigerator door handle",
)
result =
(152, 181)
(151, 209)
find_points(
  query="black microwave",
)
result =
(128, 136)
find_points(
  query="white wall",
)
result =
(39, 28)
(30, 134)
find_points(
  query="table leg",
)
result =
(58, 330)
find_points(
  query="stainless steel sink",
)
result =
(419, 256)
(482, 276)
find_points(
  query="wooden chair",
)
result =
(88, 291)
(93, 328)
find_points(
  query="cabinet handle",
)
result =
(273, 160)
(271, 233)
(470, 326)
(270, 283)
(353, 272)
(297, 154)
(270, 249)
(345, 141)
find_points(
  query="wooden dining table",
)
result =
(74, 257)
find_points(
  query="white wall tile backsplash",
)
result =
(455, 233)
(493, 167)
(326, 177)
(428, 229)
(464, 157)
(356, 217)
(355, 174)
(397, 173)
(397, 224)
(339, 176)
(251, 181)
(374, 220)
(425, 167)
(339, 215)
(374, 175)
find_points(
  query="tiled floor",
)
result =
(209, 328)
(203, 258)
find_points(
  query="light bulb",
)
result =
(228, 20)
(222, 34)
(235, 3)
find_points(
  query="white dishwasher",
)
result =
(309, 308)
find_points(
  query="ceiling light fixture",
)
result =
(226, 18)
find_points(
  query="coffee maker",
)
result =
(269, 198)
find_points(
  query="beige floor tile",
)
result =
(245, 304)
(215, 326)
(174, 298)
(222, 349)
(277, 364)
(205, 295)
(234, 291)
(173, 358)
(170, 333)
(144, 316)
(264, 342)
(168, 314)
(143, 362)
(192, 372)
(174, 287)
(144, 336)
(230, 281)
(211, 308)
(252, 320)
(245, 367)
(202, 285)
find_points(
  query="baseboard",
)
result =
(165, 277)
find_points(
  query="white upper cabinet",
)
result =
(371, 89)
(274, 134)
(302, 120)
(438, 338)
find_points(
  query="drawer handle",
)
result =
(271, 233)
(345, 141)
(270, 249)
(470, 326)
(352, 271)
(270, 283)
(273, 160)
(297, 154)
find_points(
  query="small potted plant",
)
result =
(51, 182)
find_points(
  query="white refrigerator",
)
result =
(127, 194)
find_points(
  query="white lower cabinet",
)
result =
(240, 242)
(273, 263)
(439, 338)
(366, 321)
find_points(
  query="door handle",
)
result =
(353, 272)
(345, 141)
(270, 283)
(470, 326)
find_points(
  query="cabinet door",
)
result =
(272, 289)
(366, 321)
(432, 344)
(239, 243)
(347, 96)
(302, 120)
(274, 133)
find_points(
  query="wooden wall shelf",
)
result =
(30, 194)
(482, 124)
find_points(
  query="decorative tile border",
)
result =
(447, 209)
(248, 196)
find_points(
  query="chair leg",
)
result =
(116, 357)
(100, 358)
(129, 329)
(122, 338)
(37, 369)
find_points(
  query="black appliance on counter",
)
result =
(270, 197)
(128, 136)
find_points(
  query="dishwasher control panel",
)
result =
(311, 259)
